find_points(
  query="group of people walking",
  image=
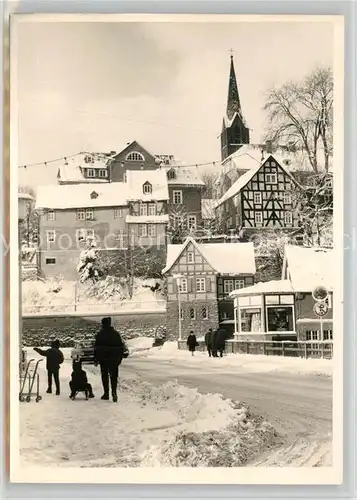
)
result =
(215, 342)
(109, 351)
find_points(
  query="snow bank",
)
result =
(140, 344)
(244, 362)
(168, 425)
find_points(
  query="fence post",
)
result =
(264, 352)
(305, 349)
(282, 349)
(322, 350)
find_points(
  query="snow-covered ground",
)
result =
(241, 362)
(165, 424)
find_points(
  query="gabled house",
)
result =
(199, 280)
(147, 218)
(70, 214)
(131, 157)
(262, 198)
(284, 309)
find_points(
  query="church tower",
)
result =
(235, 133)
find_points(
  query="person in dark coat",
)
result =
(109, 351)
(54, 358)
(208, 342)
(192, 343)
(79, 381)
(219, 342)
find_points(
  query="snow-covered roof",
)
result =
(245, 178)
(225, 258)
(184, 176)
(24, 196)
(158, 180)
(308, 268)
(239, 184)
(71, 170)
(207, 208)
(275, 286)
(67, 196)
(168, 160)
(147, 219)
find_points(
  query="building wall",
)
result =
(198, 326)
(157, 241)
(191, 198)
(66, 249)
(41, 330)
(304, 310)
(120, 165)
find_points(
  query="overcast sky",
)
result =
(96, 86)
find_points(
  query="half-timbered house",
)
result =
(199, 279)
(262, 198)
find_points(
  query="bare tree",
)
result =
(208, 178)
(300, 115)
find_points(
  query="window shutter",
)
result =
(174, 285)
(208, 284)
(189, 285)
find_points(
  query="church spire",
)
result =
(233, 102)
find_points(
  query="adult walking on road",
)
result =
(192, 343)
(109, 351)
(208, 342)
(219, 338)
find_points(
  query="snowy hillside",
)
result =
(60, 295)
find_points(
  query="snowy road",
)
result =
(298, 405)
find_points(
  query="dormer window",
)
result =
(94, 195)
(171, 174)
(89, 159)
(135, 156)
(147, 188)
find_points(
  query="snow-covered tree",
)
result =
(269, 251)
(89, 264)
(315, 210)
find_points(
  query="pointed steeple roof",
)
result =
(233, 102)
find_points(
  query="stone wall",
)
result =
(197, 325)
(41, 330)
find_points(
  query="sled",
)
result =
(28, 381)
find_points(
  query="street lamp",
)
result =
(24, 200)
(178, 277)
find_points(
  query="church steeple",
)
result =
(234, 131)
(233, 102)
